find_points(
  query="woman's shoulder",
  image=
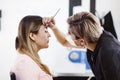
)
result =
(24, 62)
(25, 65)
(23, 59)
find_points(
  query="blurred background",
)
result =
(60, 60)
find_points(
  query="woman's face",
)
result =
(74, 39)
(78, 42)
(42, 37)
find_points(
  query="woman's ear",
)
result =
(32, 37)
(81, 43)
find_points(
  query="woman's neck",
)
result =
(91, 46)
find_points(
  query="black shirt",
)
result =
(105, 60)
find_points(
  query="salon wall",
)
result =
(55, 57)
